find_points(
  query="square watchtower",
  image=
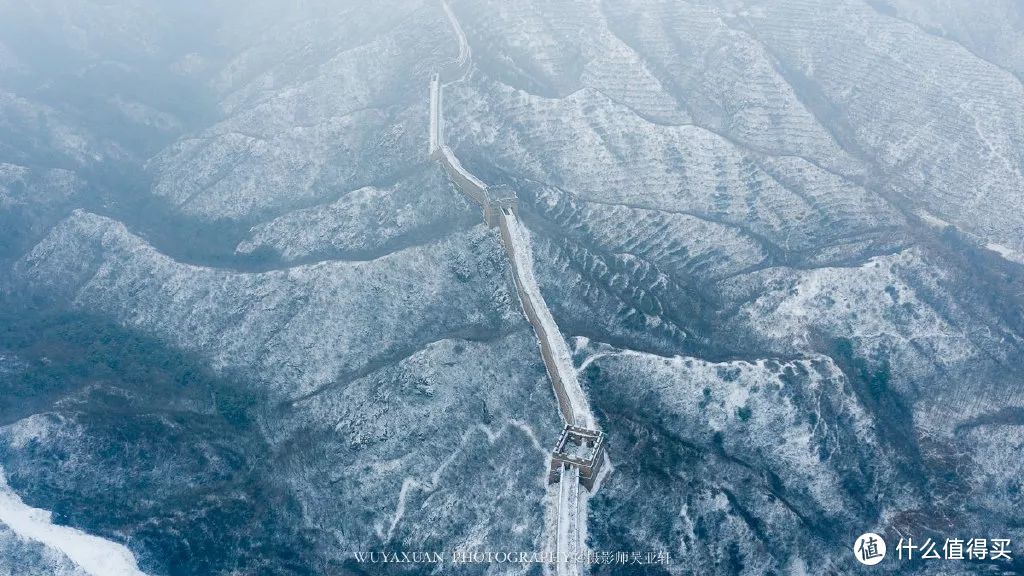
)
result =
(500, 198)
(582, 448)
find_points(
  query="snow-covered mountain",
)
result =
(248, 326)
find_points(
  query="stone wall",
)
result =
(564, 405)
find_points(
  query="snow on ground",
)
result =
(1006, 252)
(523, 263)
(933, 220)
(882, 305)
(568, 522)
(1002, 250)
(463, 43)
(435, 113)
(95, 555)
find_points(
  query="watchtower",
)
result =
(579, 448)
(500, 198)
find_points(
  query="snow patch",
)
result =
(932, 220)
(1006, 252)
(95, 555)
(464, 50)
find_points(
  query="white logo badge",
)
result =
(869, 549)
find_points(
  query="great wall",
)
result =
(579, 456)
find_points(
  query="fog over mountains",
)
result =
(248, 326)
